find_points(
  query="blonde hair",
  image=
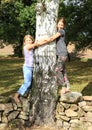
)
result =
(28, 36)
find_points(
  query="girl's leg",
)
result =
(62, 75)
(28, 72)
(67, 83)
(59, 74)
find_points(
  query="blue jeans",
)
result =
(28, 74)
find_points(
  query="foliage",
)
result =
(8, 22)
(78, 18)
(18, 17)
(16, 20)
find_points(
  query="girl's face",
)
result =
(60, 25)
(28, 40)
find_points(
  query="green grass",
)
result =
(79, 73)
(10, 75)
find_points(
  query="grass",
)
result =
(79, 73)
(10, 75)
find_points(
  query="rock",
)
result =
(24, 117)
(71, 97)
(83, 119)
(66, 125)
(80, 112)
(62, 113)
(87, 98)
(87, 108)
(89, 119)
(60, 108)
(89, 128)
(3, 126)
(14, 106)
(89, 114)
(7, 107)
(71, 113)
(59, 123)
(26, 106)
(0, 116)
(13, 115)
(83, 103)
(74, 121)
(4, 119)
(65, 118)
(78, 125)
(74, 107)
(65, 105)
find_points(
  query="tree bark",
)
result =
(45, 89)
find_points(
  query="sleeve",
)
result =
(62, 32)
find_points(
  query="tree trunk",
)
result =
(45, 89)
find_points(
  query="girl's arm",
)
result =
(31, 46)
(38, 43)
(55, 36)
(48, 40)
(43, 41)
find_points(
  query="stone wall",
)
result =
(18, 114)
(74, 112)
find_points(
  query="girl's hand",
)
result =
(51, 39)
(44, 41)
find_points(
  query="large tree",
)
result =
(45, 88)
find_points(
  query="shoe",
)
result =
(16, 98)
(67, 90)
(62, 91)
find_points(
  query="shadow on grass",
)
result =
(10, 92)
(87, 91)
(79, 72)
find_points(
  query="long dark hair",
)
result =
(61, 19)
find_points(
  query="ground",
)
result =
(82, 54)
(7, 50)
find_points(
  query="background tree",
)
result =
(16, 20)
(78, 18)
(18, 17)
